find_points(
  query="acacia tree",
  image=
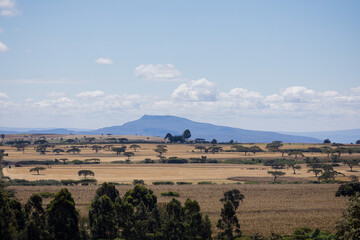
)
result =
(199, 147)
(160, 149)
(118, 150)
(37, 169)
(62, 217)
(74, 149)
(276, 174)
(58, 151)
(96, 148)
(292, 164)
(351, 163)
(86, 173)
(316, 171)
(134, 146)
(63, 159)
(128, 154)
(186, 134)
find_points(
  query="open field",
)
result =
(146, 151)
(279, 208)
(126, 173)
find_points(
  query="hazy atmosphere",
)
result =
(279, 65)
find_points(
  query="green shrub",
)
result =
(170, 194)
(23, 182)
(47, 194)
(176, 160)
(69, 182)
(77, 162)
(138, 181)
(148, 160)
(118, 162)
(163, 183)
(206, 182)
(183, 183)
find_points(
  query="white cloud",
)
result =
(296, 107)
(197, 90)
(54, 94)
(104, 61)
(3, 95)
(90, 94)
(158, 72)
(3, 47)
(8, 8)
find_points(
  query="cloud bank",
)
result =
(293, 108)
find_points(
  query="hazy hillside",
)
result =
(160, 125)
(340, 136)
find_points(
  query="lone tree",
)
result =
(160, 149)
(274, 146)
(86, 173)
(96, 148)
(134, 146)
(276, 174)
(37, 169)
(327, 140)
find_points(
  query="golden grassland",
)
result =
(278, 208)
(146, 151)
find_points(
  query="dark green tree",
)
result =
(276, 174)
(107, 189)
(186, 134)
(37, 169)
(141, 194)
(35, 219)
(348, 227)
(86, 173)
(234, 196)
(196, 226)
(228, 224)
(62, 217)
(102, 218)
(7, 229)
(173, 223)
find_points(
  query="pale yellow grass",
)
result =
(126, 173)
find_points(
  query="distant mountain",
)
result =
(340, 136)
(150, 125)
(7, 130)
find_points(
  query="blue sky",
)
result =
(263, 65)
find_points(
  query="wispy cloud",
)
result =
(104, 61)
(8, 8)
(3, 95)
(159, 72)
(3, 47)
(91, 94)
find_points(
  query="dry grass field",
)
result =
(279, 208)
(126, 173)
